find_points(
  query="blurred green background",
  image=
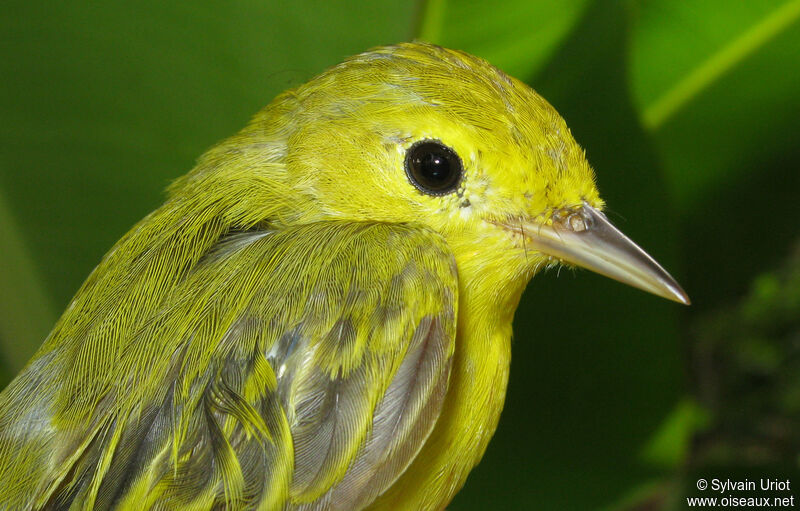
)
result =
(689, 112)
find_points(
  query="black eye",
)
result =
(433, 167)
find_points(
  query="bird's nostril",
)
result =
(572, 219)
(577, 223)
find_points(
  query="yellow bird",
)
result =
(319, 316)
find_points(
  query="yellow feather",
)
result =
(319, 316)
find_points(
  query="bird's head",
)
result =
(415, 133)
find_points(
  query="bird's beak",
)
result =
(583, 236)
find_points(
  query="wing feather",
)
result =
(402, 420)
(301, 368)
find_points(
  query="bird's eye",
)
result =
(433, 167)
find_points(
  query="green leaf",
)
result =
(25, 312)
(670, 444)
(517, 36)
(713, 82)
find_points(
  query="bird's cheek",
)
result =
(489, 253)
